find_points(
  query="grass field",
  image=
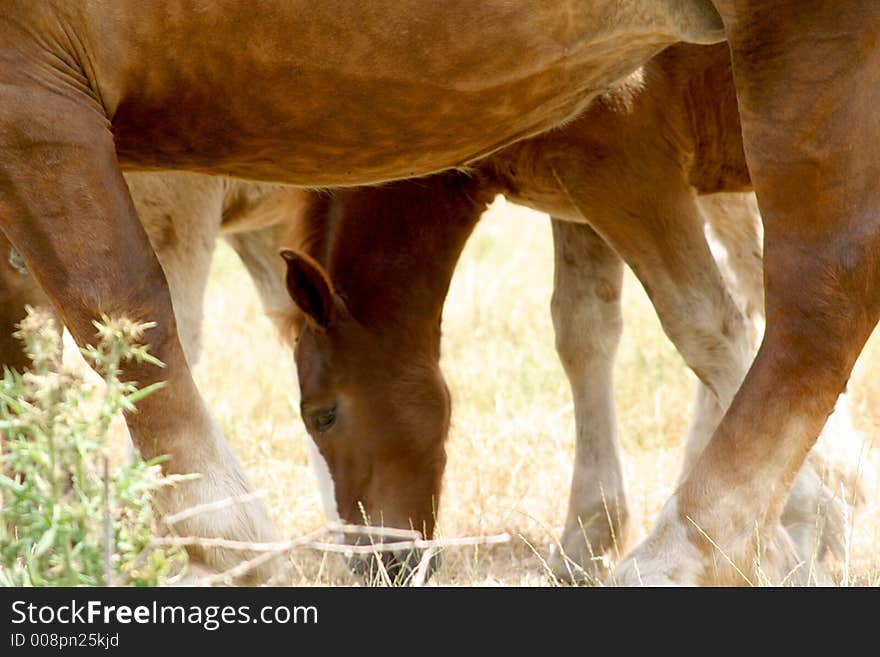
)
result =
(512, 439)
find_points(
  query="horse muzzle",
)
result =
(389, 566)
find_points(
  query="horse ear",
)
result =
(309, 287)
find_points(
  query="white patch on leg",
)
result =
(740, 520)
(813, 516)
(325, 483)
(841, 457)
(666, 558)
(222, 480)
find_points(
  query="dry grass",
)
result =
(512, 441)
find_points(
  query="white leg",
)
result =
(181, 213)
(735, 234)
(587, 321)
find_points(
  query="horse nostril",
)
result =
(399, 566)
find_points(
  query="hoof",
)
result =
(245, 522)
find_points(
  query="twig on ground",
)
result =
(403, 539)
(424, 568)
(269, 550)
(171, 520)
(309, 543)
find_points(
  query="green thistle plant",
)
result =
(65, 519)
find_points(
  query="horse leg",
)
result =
(587, 320)
(181, 214)
(261, 220)
(808, 83)
(667, 250)
(813, 516)
(733, 220)
(65, 207)
(659, 234)
(258, 250)
(735, 223)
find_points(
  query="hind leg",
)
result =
(734, 222)
(668, 252)
(587, 321)
(818, 196)
(64, 205)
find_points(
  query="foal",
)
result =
(621, 182)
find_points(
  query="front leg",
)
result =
(587, 320)
(65, 207)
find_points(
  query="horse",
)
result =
(333, 99)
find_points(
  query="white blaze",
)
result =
(325, 483)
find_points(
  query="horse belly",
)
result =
(352, 93)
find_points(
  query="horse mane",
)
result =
(393, 248)
(310, 231)
(389, 249)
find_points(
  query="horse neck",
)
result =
(394, 249)
(311, 232)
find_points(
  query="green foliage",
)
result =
(66, 519)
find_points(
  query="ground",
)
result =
(512, 439)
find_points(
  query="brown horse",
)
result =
(375, 265)
(330, 99)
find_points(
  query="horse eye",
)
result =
(323, 421)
